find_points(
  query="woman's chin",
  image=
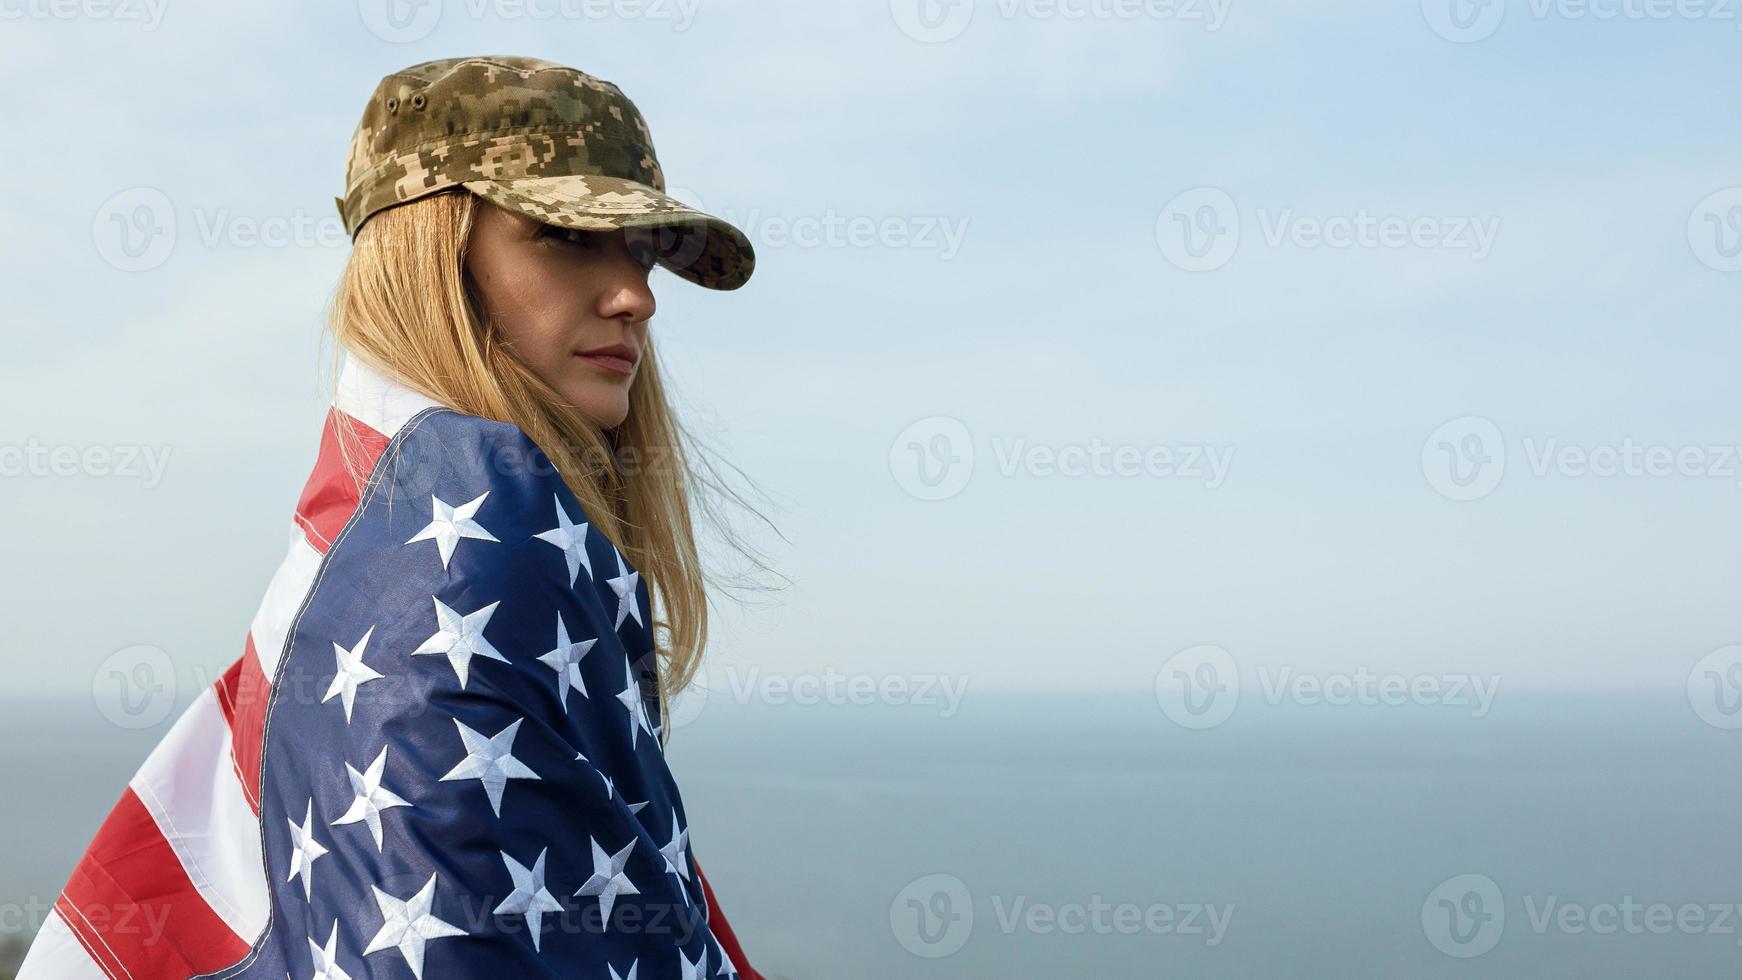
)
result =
(603, 409)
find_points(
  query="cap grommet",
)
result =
(392, 106)
(418, 101)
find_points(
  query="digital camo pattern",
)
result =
(548, 141)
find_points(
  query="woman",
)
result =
(441, 754)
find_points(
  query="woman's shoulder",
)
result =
(468, 562)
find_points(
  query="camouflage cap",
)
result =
(534, 137)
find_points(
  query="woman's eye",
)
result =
(573, 236)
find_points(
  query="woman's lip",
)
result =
(610, 362)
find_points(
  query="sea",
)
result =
(1557, 835)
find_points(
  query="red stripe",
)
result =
(722, 931)
(243, 693)
(131, 904)
(331, 494)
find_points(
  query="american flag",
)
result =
(439, 755)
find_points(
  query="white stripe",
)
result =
(284, 596)
(375, 399)
(189, 786)
(56, 954)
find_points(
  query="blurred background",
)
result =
(1257, 480)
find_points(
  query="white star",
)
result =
(461, 638)
(490, 761)
(675, 862)
(631, 698)
(352, 673)
(304, 849)
(408, 925)
(372, 797)
(697, 970)
(326, 958)
(608, 880)
(566, 661)
(726, 968)
(451, 524)
(634, 965)
(572, 539)
(530, 896)
(628, 603)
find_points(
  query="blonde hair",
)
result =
(404, 305)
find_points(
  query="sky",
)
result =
(1340, 337)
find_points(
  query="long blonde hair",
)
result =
(404, 305)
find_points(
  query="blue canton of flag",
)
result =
(462, 773)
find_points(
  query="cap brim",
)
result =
(692, 244)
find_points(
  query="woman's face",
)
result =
(572, 305)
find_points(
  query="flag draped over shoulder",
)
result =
(437, 757)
